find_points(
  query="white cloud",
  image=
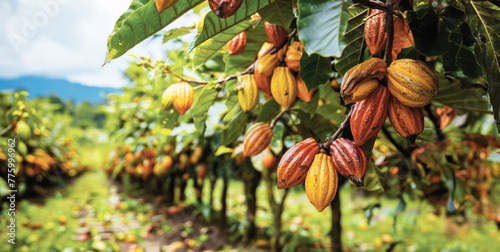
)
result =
(65, 39)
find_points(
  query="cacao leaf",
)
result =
(315, 70)
(270, 110)
(463, 100)
(202, 105)
(280, 12)
(175, 33)
(169, 118)
(277, 140)
(235, 128)
(308, 107)
(429, 41)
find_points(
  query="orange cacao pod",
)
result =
(201, 171)
(162, 5)
(248, 92)
(265, 65)
(446, 116)
(302, 91)
(295, 163)
(375, 35)
(182, 96)
(349, 160)
(237, 44)
(276, 33)
(369, 116)
(257, 139)
(263, 82)
(412, 82)
(284, 87)
(361, 80)
(321, 182)
(403, 37)
(407, 121)
(224, 8)
(293, 56)
(269, 160)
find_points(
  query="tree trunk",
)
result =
(223, 199)
(170, 191)
(336, 231)
(182, 191)
(251, 202)
(277, 210)
(213, 180)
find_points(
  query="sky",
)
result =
(67, 39)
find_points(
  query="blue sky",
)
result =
(67, 39)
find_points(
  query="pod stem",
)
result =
(329, 140)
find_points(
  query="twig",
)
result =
(275, 120)
(6, 129)
(437, 125)
(389, 28)
(329, 140)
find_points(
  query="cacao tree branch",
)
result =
(389, 28)
(6, 129)
(437, 125)
(329, 140)
(275, 120)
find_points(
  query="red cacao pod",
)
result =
(264, 82)
(349, 160)
(293, 166)
(403, 37)
(224, 8)
(276, 33)
(237, 44)
(257, 139)
(369, 115)
(375, 35)
(321, 182)
(407, 121)
(446, 116)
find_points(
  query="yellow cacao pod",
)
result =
(266, 47)
(412, 82)
(162, 5)
(182, 96)
(321, 182)
(257, 139)
(248, 92)
(277, 34)
(357, 84)
(407, 121)
(168, 97)
(23, 130)
(284, 87)
(295, 163)
(293, 56)
(302, 92)
(375, 35)
(266, 64)
(237, 44)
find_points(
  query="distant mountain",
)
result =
(44, 86)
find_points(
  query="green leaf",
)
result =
(269, 111)
(169, 118)
(315, 70)
(372, 182)
(321, 24)
(429, 40)
(308, 107)
(235, 129)
(280, 12)
(461, 57)
(461, 99)
(484, 20)
(202, 105)
(276, 145)
(141, 21)
(175, 33)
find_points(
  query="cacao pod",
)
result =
(302, 91)
(196, 155)
(183, 161)
(167, 162)
(266, 47)
(237, 44)
(321, 182)
(162, 5)
(293, 56)
(446, 116)
(403, 37)
(23, 130)
(412, 82)
(293, 166)
(263, 82)
(269, 160)
(224, 8)
(276, 33)
(266, 65)
(168, 97)
(349, 160)
(369, 115)
(182, 96)
(201, 172)
(248, 92)
(359, 82)
(375, 35)
(407, 121)
(283, 87)
(257, 139)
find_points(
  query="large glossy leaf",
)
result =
(321, 24)
(461, 99)
(315, 70)
(202, 105)
(235, 129)
(175, 33)
(279, 12)
(484, 20)
(270, 110)
(141, 21)
(429, 39)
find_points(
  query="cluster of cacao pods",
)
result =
(180, 95)
(411, 84)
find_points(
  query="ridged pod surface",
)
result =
(403, 37)
(375, 35)
(277, 34)
(293, 56)
(412, 82)
(162, 5)
(263, 82)
(369, 116)
(302, 92)
(359, 82)
(248, 92)
(349, 160)
(257, 139)
(321, 182)
(237, 44)
(224, 8)
(283, 87)
(182, 96)
(295, 163)
(407, 121)
(266, 64)
(264, 49)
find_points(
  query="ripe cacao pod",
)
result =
(276, 33)
(321, 182)
(293, 56)
(369, 115)
(248, 92)
(403, 37)
(283, 87)
(196, 155)
(266, 65)
(412, 82)
(349, 160)
(446, 116)
(360, 81)
(295, 163)
(168, 97)
(257, 139)
(375, 35)
(201, 172)
(23, 130)
(182, 96)
(162, 5)
(237, 44)
(167, 162)
(407, 121)
(269, 160)
(266, 47)
(264, 83)
(302, 91)
(224, 8)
